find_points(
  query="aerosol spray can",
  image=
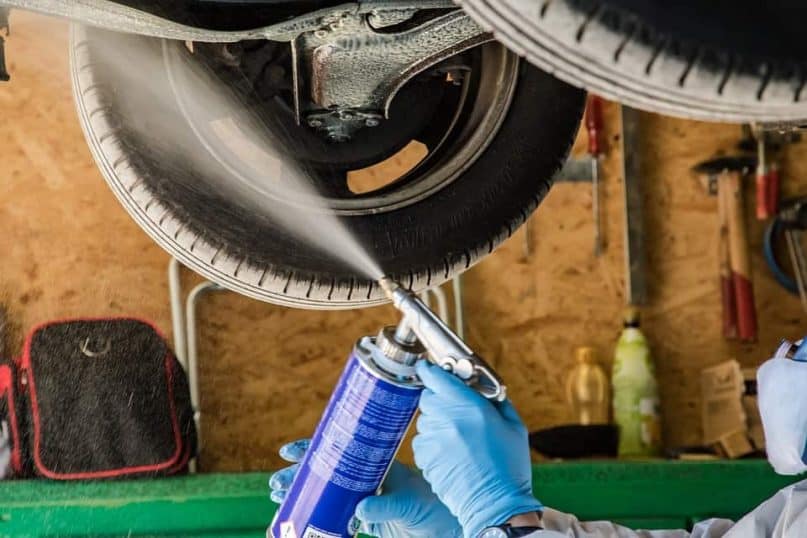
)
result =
(356, 440)
(367, 416)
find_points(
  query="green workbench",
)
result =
(640, 495)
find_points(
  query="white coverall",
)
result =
(782, 386)
(782, 516)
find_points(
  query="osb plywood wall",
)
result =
(68, 249)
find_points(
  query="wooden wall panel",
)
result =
(68, 250)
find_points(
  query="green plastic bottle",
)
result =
(635, 392)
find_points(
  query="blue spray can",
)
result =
(356, 440)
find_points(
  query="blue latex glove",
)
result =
(406, 508)
(782, 396)
(280, 482)
(473, 452)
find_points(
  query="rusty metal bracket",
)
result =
(348, 71)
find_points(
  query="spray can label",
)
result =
(352, 448)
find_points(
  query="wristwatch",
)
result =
(506, 531)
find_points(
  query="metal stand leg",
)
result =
(185, 338)
(177, 320)
(459, 313)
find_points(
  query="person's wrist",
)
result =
(529, 519)
(499, 513)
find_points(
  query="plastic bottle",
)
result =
(587, 389)
(635, 391)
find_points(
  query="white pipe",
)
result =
(177, 320)
(442, 302)
(459, 316)
(193, 353)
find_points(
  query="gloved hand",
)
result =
(782, 396)
(473, 452)
(406, 508)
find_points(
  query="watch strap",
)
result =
(520, 532)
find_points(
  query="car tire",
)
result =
(421, 245)
(715, 61)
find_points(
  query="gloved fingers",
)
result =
(382, 530)
(370, 529)
(278, 496)
(508, 411)
(444, 384)
(397, 477)
(430, 424)
(385, 507)
(293, 452)
(430, 403)
(283, 478)
(422, 451)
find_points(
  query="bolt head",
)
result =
(338, 137)
(372, 122)
(321, 34)
(314, 123)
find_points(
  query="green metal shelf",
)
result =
(641, 495)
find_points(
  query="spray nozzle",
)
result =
(443, 346)
(389, 286)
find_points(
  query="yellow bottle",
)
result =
(588, 389)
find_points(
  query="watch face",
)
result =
(493, 532)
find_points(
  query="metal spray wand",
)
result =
(444, 348)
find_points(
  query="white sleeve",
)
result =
(782, 516)
(561, 525)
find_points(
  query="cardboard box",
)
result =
(735, 445)
(722, 413)
(754, 421)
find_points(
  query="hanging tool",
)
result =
(583, 169)
(728, 301)
(588, 168)
(593, 119)
(791, 224)
(740, 260)
(767, 180)
(4, 13)
(799, 262)
(725, 175)
(634, 227)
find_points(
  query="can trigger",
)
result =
(462, 368)
(476, 373)
(488, 383)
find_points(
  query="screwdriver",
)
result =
(763, 179)
(767, 179)
(593, 121)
